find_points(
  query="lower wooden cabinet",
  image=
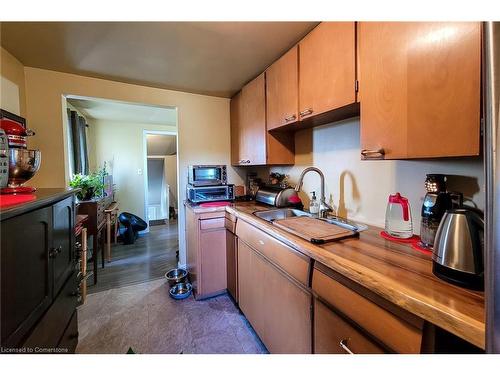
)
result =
(231, 258)
(277, 307)
(206, 252)
(397, 330)
(333, 335)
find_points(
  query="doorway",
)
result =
(115, 142)
(161, 178)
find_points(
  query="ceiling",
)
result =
(213, 58)
(159, 145)
(109, 110)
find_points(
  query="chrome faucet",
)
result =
(324, 207)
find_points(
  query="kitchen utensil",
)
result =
(175, 276)
(4, 159)
(398, 221)
(436, 202)
(314, 230)
(16, 132)
(23, 164)
(181, 291)
(458, 248)
(277, 196)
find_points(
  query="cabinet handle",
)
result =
(343, 345)
(290, 118)
(373, 154)
(306, 112)
(244, 161)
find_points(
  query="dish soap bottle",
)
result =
(314, 205)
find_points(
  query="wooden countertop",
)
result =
(394, 271)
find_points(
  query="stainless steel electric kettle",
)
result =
(458, 254)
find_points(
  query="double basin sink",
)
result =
(283, 213)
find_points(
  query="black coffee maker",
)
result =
(436, 202)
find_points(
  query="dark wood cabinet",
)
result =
(39, 285)
(63, 240)
(26, 273)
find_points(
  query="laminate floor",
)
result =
(144, 317)
(149, 258)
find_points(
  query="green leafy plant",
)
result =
(90, 185)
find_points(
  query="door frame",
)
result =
(145, 132)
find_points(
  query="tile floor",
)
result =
(145, 318)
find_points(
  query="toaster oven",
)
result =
(201, 194)
(207, 175)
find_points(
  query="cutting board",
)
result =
(314, 230)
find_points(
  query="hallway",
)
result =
(149, 258)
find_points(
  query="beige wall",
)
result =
(360, 189)
(203, 124)
(12, 84)
(121, 146)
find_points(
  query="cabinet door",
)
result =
(333, 335)
(327, 68)
(288, 314)
(232, 264)
(213, 261)
(282, 86)
(252, 133)
(26, 282)
(63, 248)
(278, 309)
(251, 291)
(192, 250)
(236, 123)
(420, 88)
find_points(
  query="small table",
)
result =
(111, 216)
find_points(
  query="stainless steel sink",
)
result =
(283, 213)
(280, 213)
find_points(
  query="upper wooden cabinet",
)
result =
(252, 130)
(419, 88)
(236, 123)
(327, 68)
(251, 144)
(282, 90)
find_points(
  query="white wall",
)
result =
(359, 189)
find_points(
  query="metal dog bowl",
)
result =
(181, 291)
(176, 276)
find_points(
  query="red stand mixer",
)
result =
(17, 163)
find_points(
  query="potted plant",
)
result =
(90, 185)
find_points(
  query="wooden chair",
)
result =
(111, 220)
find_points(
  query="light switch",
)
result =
(139, 171)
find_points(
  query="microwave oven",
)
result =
(207, 175)
(201, 194)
